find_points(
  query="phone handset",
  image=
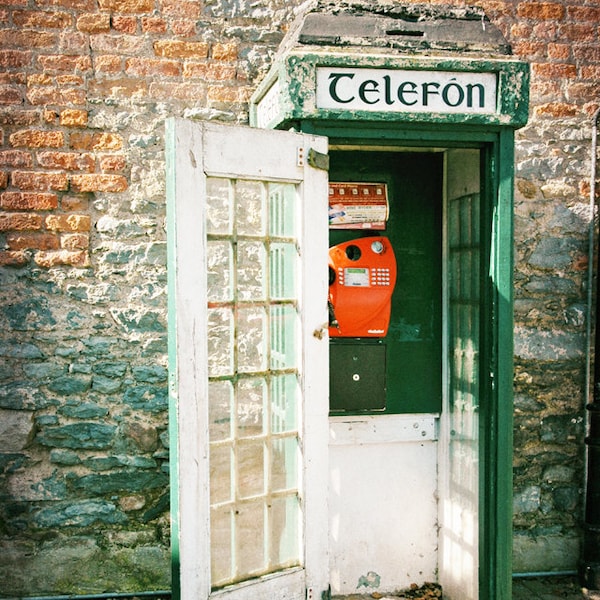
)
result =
(362, 275)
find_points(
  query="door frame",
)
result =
(496, 405)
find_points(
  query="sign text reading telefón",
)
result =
(389, 90)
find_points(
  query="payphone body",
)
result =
(385, 336)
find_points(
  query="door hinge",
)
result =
(318, 160)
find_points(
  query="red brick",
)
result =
(50, 116)
(68, 222)
(3, 179)
(71, 203)
(127, 6)
(150, 67)
(75, 241)
(209, 71)
(590, 72)
(584, 13)
(15, 158)
(540, 10)
(189, 10)
(98, 183)
(57, 63)
(554, 70)
(39, 19)
(181, 91)
(124, 24)
(559, 51)
(38, 181)
(578, 33)
(224, 51)
(73, 118)
(27, 38)
(179, 49)
(122, 87)
(20, 221)
(20, 118)
(530, 49)
(94, 23)
(12, 258)
(108, 64)
(78, 5)
(45, 95)
(36, 138)
(112, 163)
(28, 201)
(56, 258)
(587, 54)
(183, 27)
(228, 94)
(10, 95)
(37, 241)
(583, 91)
(15, 59)
(556, 109)
(153, 25)
(116, 44)
(95, 141)
(69, 161)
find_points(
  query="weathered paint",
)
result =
(295, 76)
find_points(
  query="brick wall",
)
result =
(85, 86)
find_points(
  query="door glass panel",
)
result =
(253, 380)
(460, 513)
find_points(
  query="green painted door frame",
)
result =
(496, 372)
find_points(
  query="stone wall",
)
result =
(85, 87)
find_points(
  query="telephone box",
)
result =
(403, 121)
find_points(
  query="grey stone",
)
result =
(78, 435)
(16, 430)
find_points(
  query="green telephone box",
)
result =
(426, 104)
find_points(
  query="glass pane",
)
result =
(219, 276)
(250, 546)
(284, 463)
(251, 270)
(220, 342)
(251, 350)
(250, 467)
(283, 336)
(284, 403)
(221, 548)
(285, 531)
(250, 407)
(220, 397)
(220, 473)
(282, 205)
(250, 208)
(253, 406)
(218, 205)
(282, 271)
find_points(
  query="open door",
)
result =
(460, 444)
(247, 238)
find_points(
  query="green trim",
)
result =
(295, 75)
(171, 184)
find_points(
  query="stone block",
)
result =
(16, 430)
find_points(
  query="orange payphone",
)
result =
(362, 275)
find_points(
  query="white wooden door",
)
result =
(248, 362)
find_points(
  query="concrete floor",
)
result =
(541, 588)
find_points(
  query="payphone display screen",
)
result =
(356, 277)
(411, 363)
